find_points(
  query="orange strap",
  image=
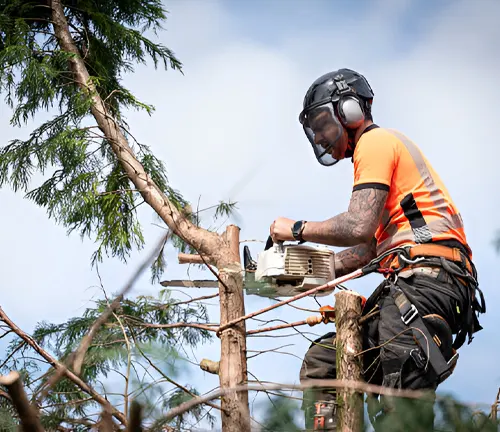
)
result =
(428, 250)
(451, 254)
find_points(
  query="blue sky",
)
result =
(227, 129)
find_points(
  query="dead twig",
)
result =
(328, 286)
(495, 406)
(135, 419)
(207, 297)
(106, 422)
(87, 339)
(353, 385)
(277, 327)
(179, 325)
(28, 415)
(60, 368)
(170, 380)
(75, 359)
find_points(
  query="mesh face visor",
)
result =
(323, 130)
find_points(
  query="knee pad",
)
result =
(441, 333)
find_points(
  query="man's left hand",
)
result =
(281, 229)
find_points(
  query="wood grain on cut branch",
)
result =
(28, 415)
(60, 368)
(210, 366)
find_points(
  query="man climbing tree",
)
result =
(402, 217)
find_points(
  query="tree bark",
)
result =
(28, 415)
(205, 242)
(233, 360)
(223, 253)
(349, 341)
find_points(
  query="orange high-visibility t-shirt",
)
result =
(419, 208)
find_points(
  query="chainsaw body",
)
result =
(288, 270)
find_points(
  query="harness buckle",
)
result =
(410, 315)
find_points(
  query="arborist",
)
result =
(402, 220)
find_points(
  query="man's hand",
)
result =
(281, 229)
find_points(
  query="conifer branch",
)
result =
(62, 369)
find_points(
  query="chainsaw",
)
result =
(285, 270)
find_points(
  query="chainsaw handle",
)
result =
(270, 243)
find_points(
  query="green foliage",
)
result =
(280, 415)
(83, 188)
(178, 397)
(126, 344)
(444, 415)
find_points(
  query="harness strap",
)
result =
(412, 319)
(430, 251)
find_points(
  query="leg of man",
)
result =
(403, 361)
(400, 357)
(320, 363)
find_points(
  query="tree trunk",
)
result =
(233, 360)
(224, 254)
(205, 242)
(349, 341)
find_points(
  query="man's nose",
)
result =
(318, 140)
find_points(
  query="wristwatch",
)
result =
(297, 229)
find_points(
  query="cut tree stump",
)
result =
(349, 341)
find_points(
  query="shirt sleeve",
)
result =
(374, 162)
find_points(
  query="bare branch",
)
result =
(135, 419)
(28, 415)
(324, 287)
(60, 368)
(178, 325)
(170, 380)
(191, 284)
(207, 297)
(87, 339)
(106, 422)
(277, 327)
(353, 385)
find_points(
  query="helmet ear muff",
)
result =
(350, 112)
(349, 108)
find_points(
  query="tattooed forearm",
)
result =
(354, 258)
(356, 226)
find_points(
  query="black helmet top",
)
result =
(325, 89)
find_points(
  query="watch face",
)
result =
(296, 227)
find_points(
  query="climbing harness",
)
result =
(430, 259)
